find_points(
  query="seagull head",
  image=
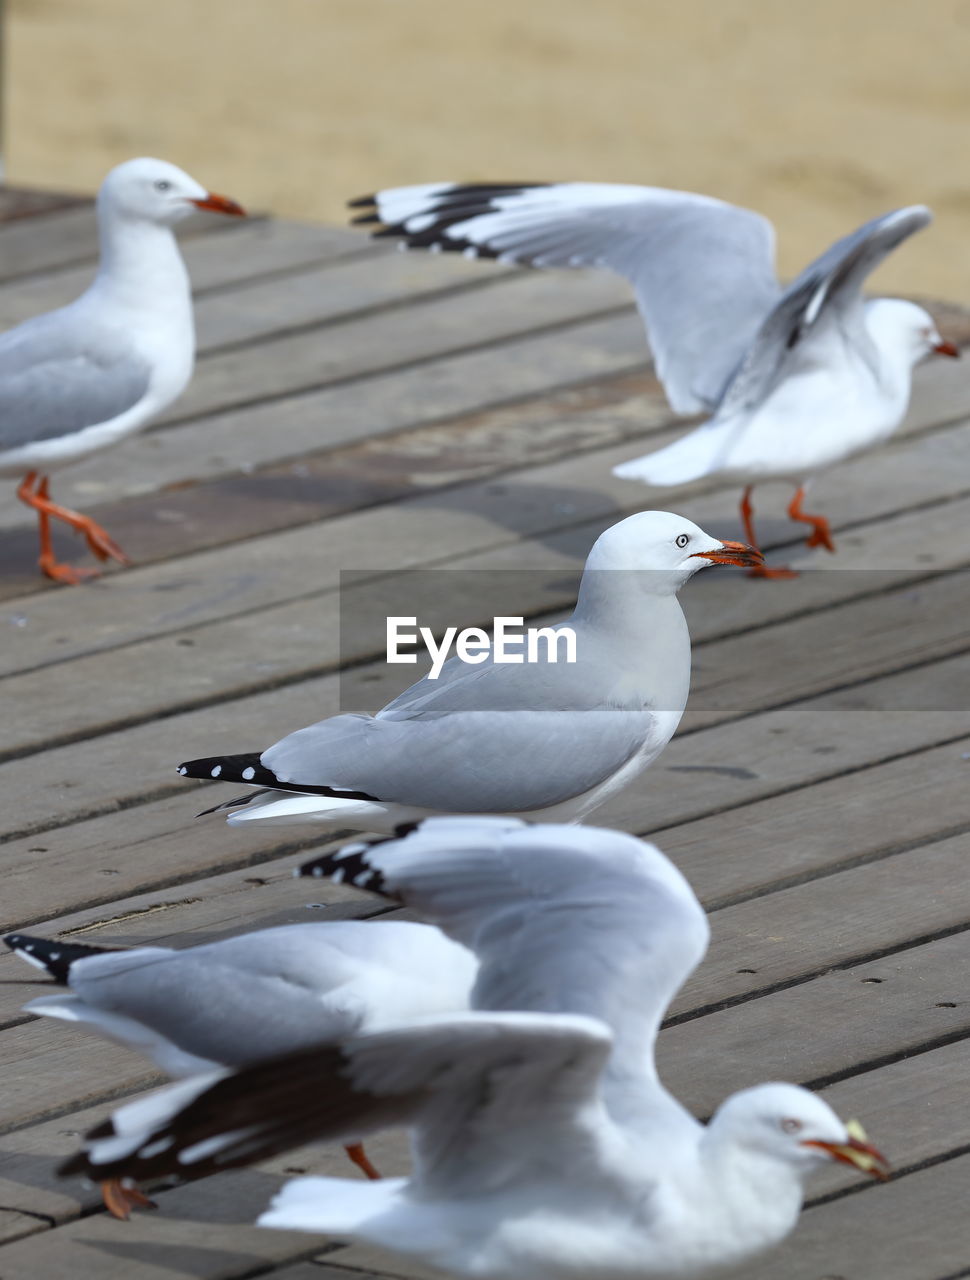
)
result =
(906, 332)
(665, 550)
(788, 1125)
(156, 191)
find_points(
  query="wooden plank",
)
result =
(53, 241)
(236, 252)
(837, 1024)
(306, 360)
(558, 503)
(158, 1248)
(246, 438)
(914, 1229)
(48, 240)
(772, 665)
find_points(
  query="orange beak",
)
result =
(221, 204)
(947, 349)
(861, 1155)
(738, 553)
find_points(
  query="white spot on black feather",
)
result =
(216, 770)
(248, 774)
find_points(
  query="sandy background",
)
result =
(820, 115)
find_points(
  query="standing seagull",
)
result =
(550, 739)
(795, 381)
(545, 1145)
(81, 378)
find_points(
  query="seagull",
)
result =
(544, 1145)
(794, 381)
(78, 379)
(258, 995)
(547, 738)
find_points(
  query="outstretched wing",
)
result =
(488, 1097)
(562, 919)
(703, 270)
(825, 293)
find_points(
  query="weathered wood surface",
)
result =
(355, 409)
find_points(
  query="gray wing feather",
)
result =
(59, 375)
(234, 1000)
(826, 291)
(512, 761)
(702, 269)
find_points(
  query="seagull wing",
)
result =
(490, 1097)
(57, 377)
(562, 919)
(466, 762)
(702, 270)
(269, 992)
(827, 293)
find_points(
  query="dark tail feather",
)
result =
(245, 767)
(55, 957)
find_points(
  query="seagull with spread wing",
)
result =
(793, 380)
(545, 1146)
(257, 995)
(76, 380)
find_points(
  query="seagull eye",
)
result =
(163, 185)
(791, 1125)
(682, 539)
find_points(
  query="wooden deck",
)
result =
(355, 408)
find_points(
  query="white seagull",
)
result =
(78, 379)
(545, 1147)
(258, 995)
(548, 738)
(794, 380)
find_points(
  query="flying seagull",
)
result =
(544, 1144)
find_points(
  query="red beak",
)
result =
(738, 553)
(861, 1155)
(947, 349)
(221, 204)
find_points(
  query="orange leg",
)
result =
(821, 535)
(747, 519)
(34, 492)
(120, 1197)
(359, 1156)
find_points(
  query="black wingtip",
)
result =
(350, 865)
(243, 767)
(54, 956)
(366, 219)
(361, 202)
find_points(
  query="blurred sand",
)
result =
(819, 115)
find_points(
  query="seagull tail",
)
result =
(244, 767)
(697, 454)
(334, 1205)
(54, 957)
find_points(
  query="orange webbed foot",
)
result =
(120, 1196)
